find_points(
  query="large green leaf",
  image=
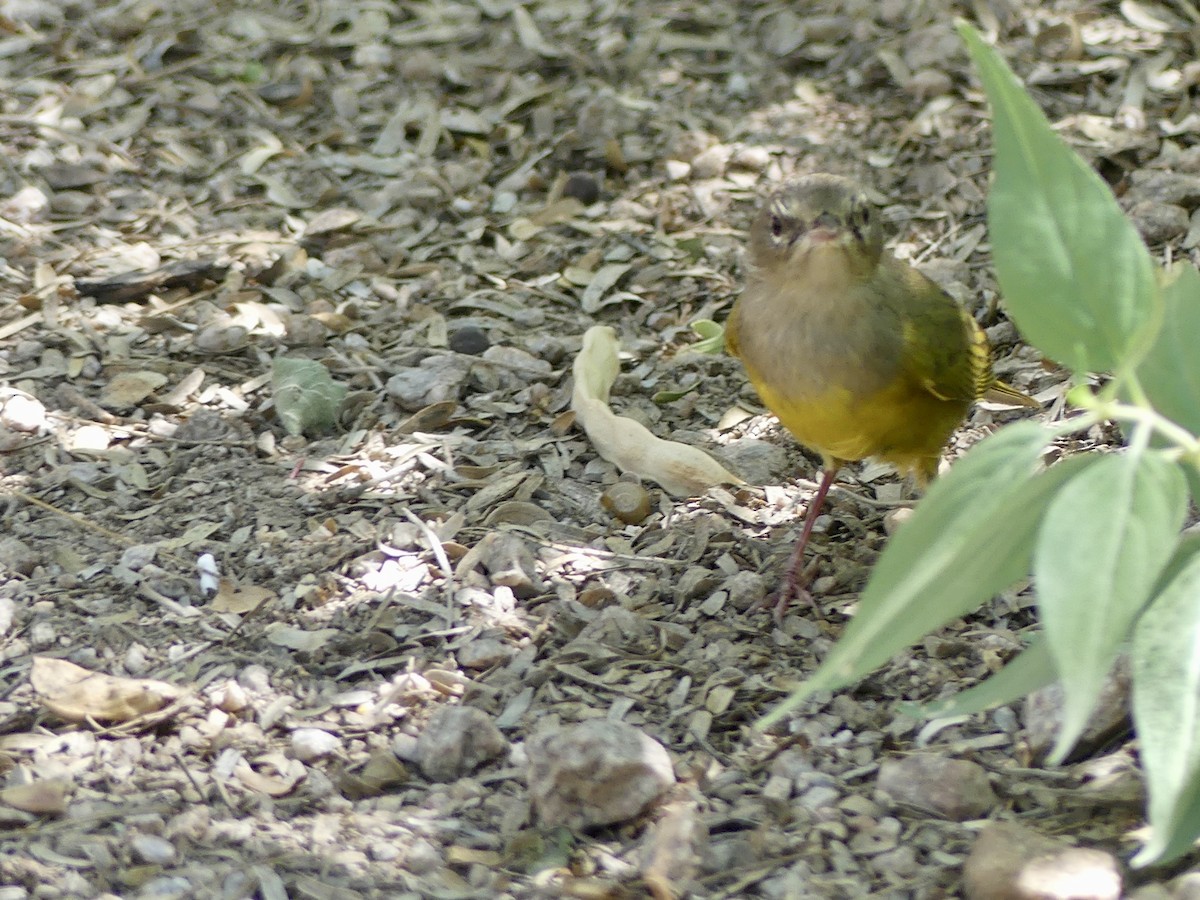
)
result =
(1170, 371)
(1166, 710)
(1074, 273)
(1106, 537)
(970, 537)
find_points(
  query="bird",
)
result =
(856, 352)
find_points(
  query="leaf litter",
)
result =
(433, 203)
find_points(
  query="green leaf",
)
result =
(1033, 668)
(1107, 535)
(1170, 371)
(1074, 273)
(672, 396)
(1166, 711)
(693, 247)
(970, 537)
(711, 334)
(306, 397)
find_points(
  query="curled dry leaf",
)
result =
(682, 470)
(78, 694)
(276, 776)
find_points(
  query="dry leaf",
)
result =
(600, 283)
(78, 694)
(290, 773)
(682, 470)
(381, 772)
(236, 598)
(328, 220)
(299, 639)
(44, 798)
(130, 388)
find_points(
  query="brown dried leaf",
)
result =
(299, 639)
(236, 598)
(128, 389)
(78, 694)
(45, 798)
(328, 220)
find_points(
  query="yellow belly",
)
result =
(901, 424)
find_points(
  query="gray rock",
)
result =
(1166, 187)
(483, 653)
(1158, 222)
(595, 773)
(954, 789)
(17, 556)
(745, 589)
(437, 378)
(456, 741)
(759, 462)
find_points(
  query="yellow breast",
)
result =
(902, 424)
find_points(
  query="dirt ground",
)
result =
(435, 200)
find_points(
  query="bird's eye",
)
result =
(776, 226)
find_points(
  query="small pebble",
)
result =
(22, 412)
(819, 796)
(469, 339)
(483, 653)
(711, 163)
(255, 678)
(175, 887)
(17, 556)
(879, 837)
(313, 743)
(753, 158)
(152, 849)
(422, 857)
(383, 852)
(583, 186)
(745, 589)
(627, 501)
(231, 698)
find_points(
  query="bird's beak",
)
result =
(823, 235)
(826, 228)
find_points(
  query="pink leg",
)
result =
(795, 585)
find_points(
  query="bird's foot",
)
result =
(794, 590)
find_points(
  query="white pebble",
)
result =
(312, 743)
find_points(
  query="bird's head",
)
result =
(816, 220)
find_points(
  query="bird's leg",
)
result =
(795, 579)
